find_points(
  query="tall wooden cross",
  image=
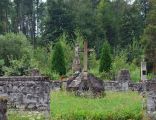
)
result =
(85, 60)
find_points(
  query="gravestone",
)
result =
(76, 66)
(3, 108)
(143, 71)
(124, 79)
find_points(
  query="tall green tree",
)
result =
(105, 58)
(58, 60)
(59, 20)
(4, 12)
(149, 37)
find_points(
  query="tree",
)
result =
(58, 60)
(4, 8)
(13, 47)
(105, 58)
(105, 20)
(131, 26)
(149, 37)
(59, 20)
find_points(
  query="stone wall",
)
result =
(151, 99)
(119, 86)
(55, 85)
(28, 93)
(112, 86)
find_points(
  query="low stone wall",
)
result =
(3, 108)
(28, 93)
(55, 85)
(116, 86)
(111, 85)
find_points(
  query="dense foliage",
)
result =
(149, 37)
(105, 60)
(129, 28)
(58, 60)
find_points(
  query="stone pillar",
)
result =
(143, 71)
(3, 108)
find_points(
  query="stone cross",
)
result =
(85, 59)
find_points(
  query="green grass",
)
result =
(114, 106)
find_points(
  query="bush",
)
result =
(13, 46)
(105, 58)
(119, 62)
(16, 52)
(58, 60)
(68, 51)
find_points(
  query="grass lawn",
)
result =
(114, 106)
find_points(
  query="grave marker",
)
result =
(143, 71)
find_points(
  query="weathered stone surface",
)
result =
(55, 85)
(90, 85)
(124, 79)
(151, 98)
(3, 108)
(112, 86)
(124, 76)
(26, 92)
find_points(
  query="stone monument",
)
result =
(85, 83)
(76, 66)
(124, 79)
(143, 71)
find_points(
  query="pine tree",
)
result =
(105, 60)
(59, 20)
(58, 60)
(149, 37)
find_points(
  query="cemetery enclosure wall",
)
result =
(28, 93)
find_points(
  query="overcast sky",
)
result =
(44, 0)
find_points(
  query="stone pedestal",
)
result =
(124, 80)
(143, 71)
(3, 108)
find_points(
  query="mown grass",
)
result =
(114, 106)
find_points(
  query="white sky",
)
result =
(44, 0)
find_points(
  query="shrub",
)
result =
(13, 46)
(68, 52)
(105, 58)
(58, 60)
(16, 52)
